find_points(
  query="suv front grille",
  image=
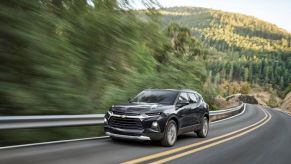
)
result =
(125, 123)
(123, 113)
(118, 112)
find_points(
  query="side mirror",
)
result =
(182, 103)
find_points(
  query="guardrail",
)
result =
(23, 122)
(222, 114)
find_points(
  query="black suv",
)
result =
(158, 114)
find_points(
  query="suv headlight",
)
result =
(154, 114)
(155, 124)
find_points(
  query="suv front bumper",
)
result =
(143, 134)
(144, 131)
(143, 138)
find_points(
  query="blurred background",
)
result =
(82, 56)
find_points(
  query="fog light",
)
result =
(155, 124)
(105, 120)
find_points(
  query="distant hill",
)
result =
(241, 47)
(229, 31)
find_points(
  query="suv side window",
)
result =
(193, 98)
(201, 98)
(183, 96)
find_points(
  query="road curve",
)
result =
(255, 136)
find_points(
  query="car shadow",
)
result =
(124, 142)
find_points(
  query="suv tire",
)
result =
(203, 132)
(170, 135)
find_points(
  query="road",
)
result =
(256, 136)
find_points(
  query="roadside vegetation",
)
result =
(80, 57)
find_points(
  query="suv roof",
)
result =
(184, 90)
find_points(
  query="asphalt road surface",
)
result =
(257, 136)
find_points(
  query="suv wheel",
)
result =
(170, 135)
(202, 133)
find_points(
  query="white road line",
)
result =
(230, 117)
(284, 112)
(289, 114)
(52, 142)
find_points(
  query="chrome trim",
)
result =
(127, 136)
(126, 116)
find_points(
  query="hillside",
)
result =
(243, 47)
(230, 30)
(286, 104)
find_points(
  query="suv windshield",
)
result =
(156, 96)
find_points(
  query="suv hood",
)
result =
(138, 108)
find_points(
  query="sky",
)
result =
(274, 11)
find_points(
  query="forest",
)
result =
(241, 48)
(80, 57)
(73, 57)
